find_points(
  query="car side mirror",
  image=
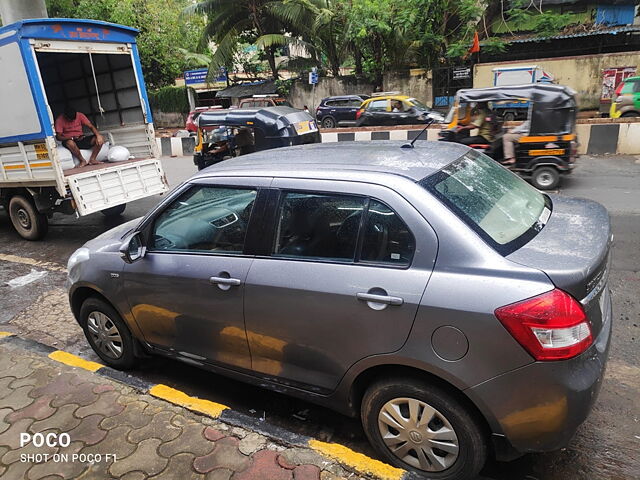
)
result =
(132, 248)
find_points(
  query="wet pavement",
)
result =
(605, 447)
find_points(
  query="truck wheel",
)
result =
(28, 222)
(114, 211)
(509, 117)
(545, 178)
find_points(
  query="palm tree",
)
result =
(229, 20)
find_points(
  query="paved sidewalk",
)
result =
(147, 437)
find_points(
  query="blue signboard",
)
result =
(192, 77)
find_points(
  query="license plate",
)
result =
(305, 126)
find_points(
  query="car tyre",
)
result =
(28, 222)
(630, 114)
(328, 122)
(114, 211)
(545, 178)
(107, 334)
(450, 423)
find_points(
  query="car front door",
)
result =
(186, 293)
(341, 278)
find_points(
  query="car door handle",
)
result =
(232, 282)
(370, 297)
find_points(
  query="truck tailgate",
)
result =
(116, 184)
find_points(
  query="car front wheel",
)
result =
(424, 429)
(107, 334)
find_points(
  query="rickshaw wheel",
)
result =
(545, 178)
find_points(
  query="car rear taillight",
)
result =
(551, 326)
(359, 113)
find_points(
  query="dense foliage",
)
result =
(162, 30)
(372, 36)
(170, 99)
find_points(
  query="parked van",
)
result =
(46, 64)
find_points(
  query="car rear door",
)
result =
(342, 273)
(186, 293)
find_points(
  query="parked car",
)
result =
(395, 109)
(262, 101)
(452, 306)
(191, 124)
(626, 99)
(339, 111)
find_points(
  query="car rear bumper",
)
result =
(539, 407)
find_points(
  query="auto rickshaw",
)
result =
(548, 151)
(225, 134)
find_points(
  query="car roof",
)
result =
(631, 79)
(388, 97)
(342, 97)
(381, 157)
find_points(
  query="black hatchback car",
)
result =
(339, 111)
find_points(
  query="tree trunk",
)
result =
(357, 56)
(271, 57)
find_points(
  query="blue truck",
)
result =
(46, 64)
(520, 75)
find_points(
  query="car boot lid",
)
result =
(572, 249)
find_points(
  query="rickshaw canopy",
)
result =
(552, 109)
(271, 121)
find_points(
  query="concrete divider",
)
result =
(595, 136)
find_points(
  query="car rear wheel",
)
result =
(424, 429)
(328, 122)
(28, 222)
(630, 114)
(107, 334)
(545, 178)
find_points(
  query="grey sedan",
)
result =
(457, 310)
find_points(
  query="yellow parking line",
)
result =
(359, 462)
(192, 403)
(56, 267)
(74, 361)
(5, 334)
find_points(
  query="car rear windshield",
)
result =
(504, 209)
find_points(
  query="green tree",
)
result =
(161, 36)
(230, 22)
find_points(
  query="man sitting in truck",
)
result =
(69, 131)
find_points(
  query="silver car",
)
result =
(457, 310)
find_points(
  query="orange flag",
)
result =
(475, 48)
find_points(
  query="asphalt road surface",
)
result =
(605, 447)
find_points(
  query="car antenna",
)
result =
(410, 145)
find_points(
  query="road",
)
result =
(605, 447)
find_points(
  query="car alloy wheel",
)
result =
(418, 434)
(105, 334)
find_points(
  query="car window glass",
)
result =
(355, 103)
(386, 238)
(378, 106)
(636, 87)
(205, 219)
(628, 88)
(318, 226)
